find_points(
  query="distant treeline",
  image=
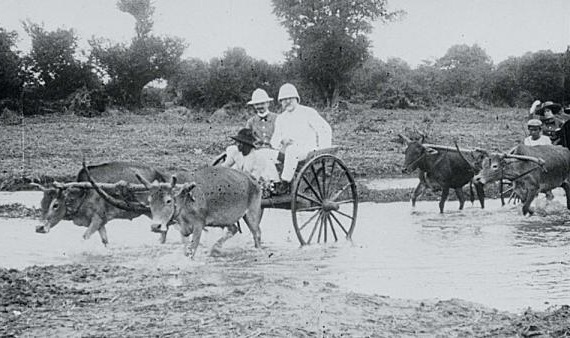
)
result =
(54, 76)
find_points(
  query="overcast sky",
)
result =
(502, 27)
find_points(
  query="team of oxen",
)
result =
(210, 197)
(529, 169)
(219, 197)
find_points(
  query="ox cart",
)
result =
(323, 198)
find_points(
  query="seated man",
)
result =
(263, 123)
(244, 156)
(298, 130)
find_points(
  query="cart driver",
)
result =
(244, 156)
(536, 137)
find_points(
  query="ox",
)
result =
(85, 207)
(532, 169)
(211, 197)
(444, 168)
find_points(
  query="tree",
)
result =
(146, 58)
(542, 76)
(566, 71)
(52, 67)
(329, 39)
(465, 71)
(504, 84)
(10, 82)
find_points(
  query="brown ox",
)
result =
(214, 197)
(532, 170)
(86, 208)
(445, 168)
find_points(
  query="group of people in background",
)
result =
(269, 138)
(545, 121)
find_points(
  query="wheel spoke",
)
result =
(317, 223)
(342, 213)
(308, 198)
(345, 201)
(312, 189)
(325, 222)
(339, 224)
(316, 176)
(343, 189)
(308, 221)
(320, 228)
(324, 164)
(331, 175)
(332, 227)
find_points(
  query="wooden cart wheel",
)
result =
(324, 201)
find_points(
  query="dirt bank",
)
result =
(112, 300)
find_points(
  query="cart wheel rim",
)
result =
(324, 201)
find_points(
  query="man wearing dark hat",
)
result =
(244, 156)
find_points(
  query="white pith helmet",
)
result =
(259, 96)
(288, 90)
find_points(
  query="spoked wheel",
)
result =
(324, 201)
(506, 190)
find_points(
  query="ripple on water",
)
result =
(495, 256)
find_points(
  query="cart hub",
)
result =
(330, 205)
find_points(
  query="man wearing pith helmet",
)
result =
(263, 123)
(298, 130)
(536, 137)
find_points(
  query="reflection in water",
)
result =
(493, 256)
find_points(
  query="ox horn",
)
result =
(536, 160)
(405, 138)
(39, 186)
(138, 207)
(144, 181)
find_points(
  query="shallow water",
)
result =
(494, 256)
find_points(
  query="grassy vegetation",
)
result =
(45, 148)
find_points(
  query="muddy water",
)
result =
(494, 256)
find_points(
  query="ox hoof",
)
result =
(216, 252)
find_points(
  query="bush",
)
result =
(87, 102)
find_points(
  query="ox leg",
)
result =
(231, 230)
(444, 194)
(530, 195)
(94, 225)
(460, 197)
(480, 189)
(566, 187)
(162, 238)
(418, 192)
(190, 249)
(103, 234)
(252, 219)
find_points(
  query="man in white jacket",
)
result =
(298, 130)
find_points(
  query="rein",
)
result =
(416, 160)
(521, 175)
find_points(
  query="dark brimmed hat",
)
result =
(554, 107)
(245, 135)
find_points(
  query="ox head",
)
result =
(56, 204)
(415, 153)
(166, 200)
(492, 168)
